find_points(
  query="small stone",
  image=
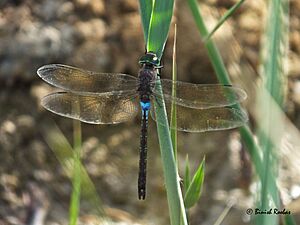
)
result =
(81, 3)
(66, 9)
(92, 55)
(296, 92)
(250, 21)
(25, 121)
(92, 30)
(8, 127)
(9, 180)
(295, 41)
(97, 6)
(294, 65)
(38, 149)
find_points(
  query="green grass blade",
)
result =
(224, 18)
(173, 121)
(76, 175)
(212, 50)
(253, 148)
(174, 195)
(275, 50)
(224, 213)
(159, 26)
(157, 36)
(193, 192)
(145, 12)
(221, 72)
(275, 47)
(187, 175)
(65, 153)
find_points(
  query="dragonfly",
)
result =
(111, 98)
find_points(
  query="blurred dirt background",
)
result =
(106, 36)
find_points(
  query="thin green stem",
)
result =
(158, 30)
(76, 175)
(221, 72)
(173, 120)
(223, 19)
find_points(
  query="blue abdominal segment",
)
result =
(145, 107)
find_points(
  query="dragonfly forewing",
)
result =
(201, 120)
(80, 81)
(200, 96)
(109, 109)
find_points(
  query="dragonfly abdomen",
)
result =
(146, 77)
(143, 151)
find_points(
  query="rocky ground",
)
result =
(103, 35)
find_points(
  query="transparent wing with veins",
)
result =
(94, 109)
(200, 96)
(85, 82)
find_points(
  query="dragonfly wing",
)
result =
(201, 120)
(201, 96)
(93, 109)
(86, 82)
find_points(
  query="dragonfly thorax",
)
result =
(147, 76)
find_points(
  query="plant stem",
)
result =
(76, 175)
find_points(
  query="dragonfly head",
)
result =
(150, 58)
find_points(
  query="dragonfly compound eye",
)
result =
(150, 58)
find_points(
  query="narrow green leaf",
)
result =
(224, 18)
(159, 26)
(145, 11)
(64, 153)
(76, 175)
(224, 213)
(158, 32)
(174, 195)
(157, 36)
(252, 147)
(212, 50)
(275, 49)
(173, 119)
(274, 56)
(194, 190)
(187, 175)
